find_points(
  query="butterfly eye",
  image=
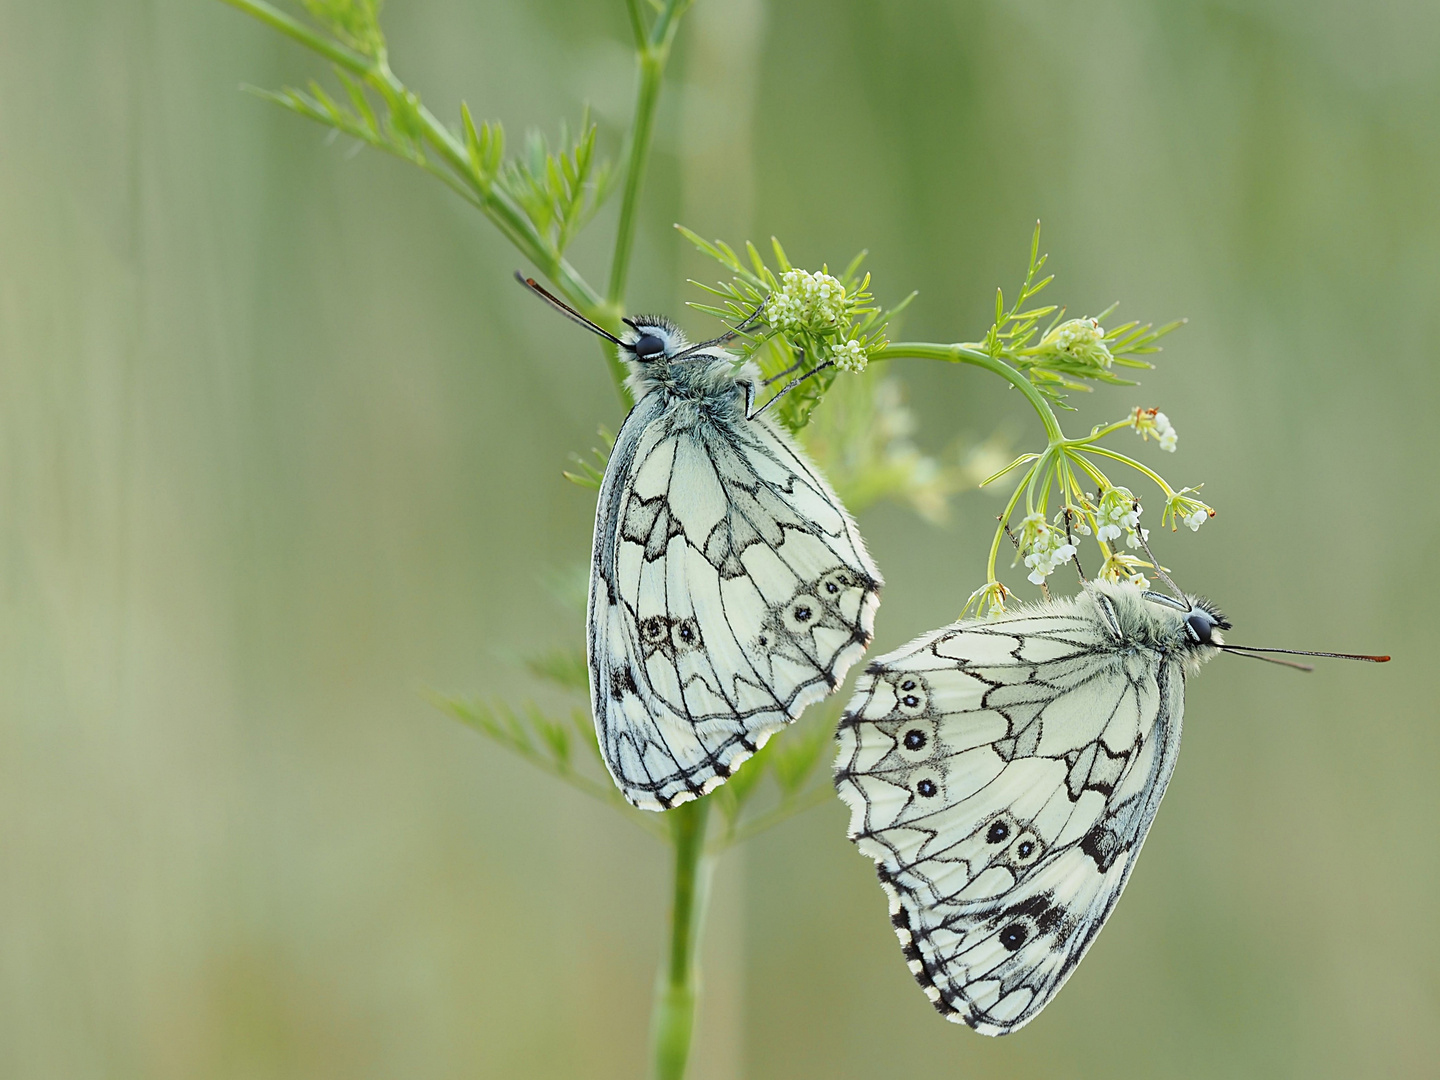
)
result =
(1199, 624)
(648, 346)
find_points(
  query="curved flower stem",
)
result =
(1000, 529)
(673, 1020)
(968, 354)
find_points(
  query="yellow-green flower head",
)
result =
(1081, 340)
(806, 301)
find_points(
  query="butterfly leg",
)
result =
(788, 387)
(1070, 539)
(1159, 570)
(1045, 589)
(729, 335)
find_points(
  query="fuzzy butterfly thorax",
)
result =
(710, 379)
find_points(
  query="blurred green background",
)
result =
(280, 450)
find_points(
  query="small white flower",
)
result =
(1133, 540)
(1195, 520)
(1107, 532)
(1147, 422)
(1141, 581)
(850, 356)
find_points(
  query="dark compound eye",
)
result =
(648, 346)
(927, 788)
(1013, 936)
(914, 739)
(1200, 624)
(998, 832)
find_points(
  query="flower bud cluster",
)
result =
(1045, 547)
(1079, 343)
(1119, 512)
(849, 356)
(806, 301)
(1148, 422)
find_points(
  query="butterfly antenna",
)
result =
(1306, 652)
(1271, 660)
(1159, 570)
(564, 308)
(730, 334)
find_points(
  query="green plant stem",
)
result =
(493, 204)
(673, 1020)
(652, 54)
(966, 354)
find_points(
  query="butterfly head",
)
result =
(1203, 620)
(650, 338)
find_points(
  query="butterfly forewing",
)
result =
(729, 590)
(1003, 774)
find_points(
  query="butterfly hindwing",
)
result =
(1003, 774)
(729, 589)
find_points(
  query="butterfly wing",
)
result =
(1003, 775)
(729, 589)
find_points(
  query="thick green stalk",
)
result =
(673, 1020)
(965, 354)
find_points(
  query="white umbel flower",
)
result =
(850, 356)
(805, 301)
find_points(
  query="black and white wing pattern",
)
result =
(1003, 773)
(730, 588)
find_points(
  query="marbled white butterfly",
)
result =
(1003, 773)
(729, 587)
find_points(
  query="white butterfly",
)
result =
(729, 587)
(1003, 773)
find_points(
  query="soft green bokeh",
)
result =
(280, 449)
